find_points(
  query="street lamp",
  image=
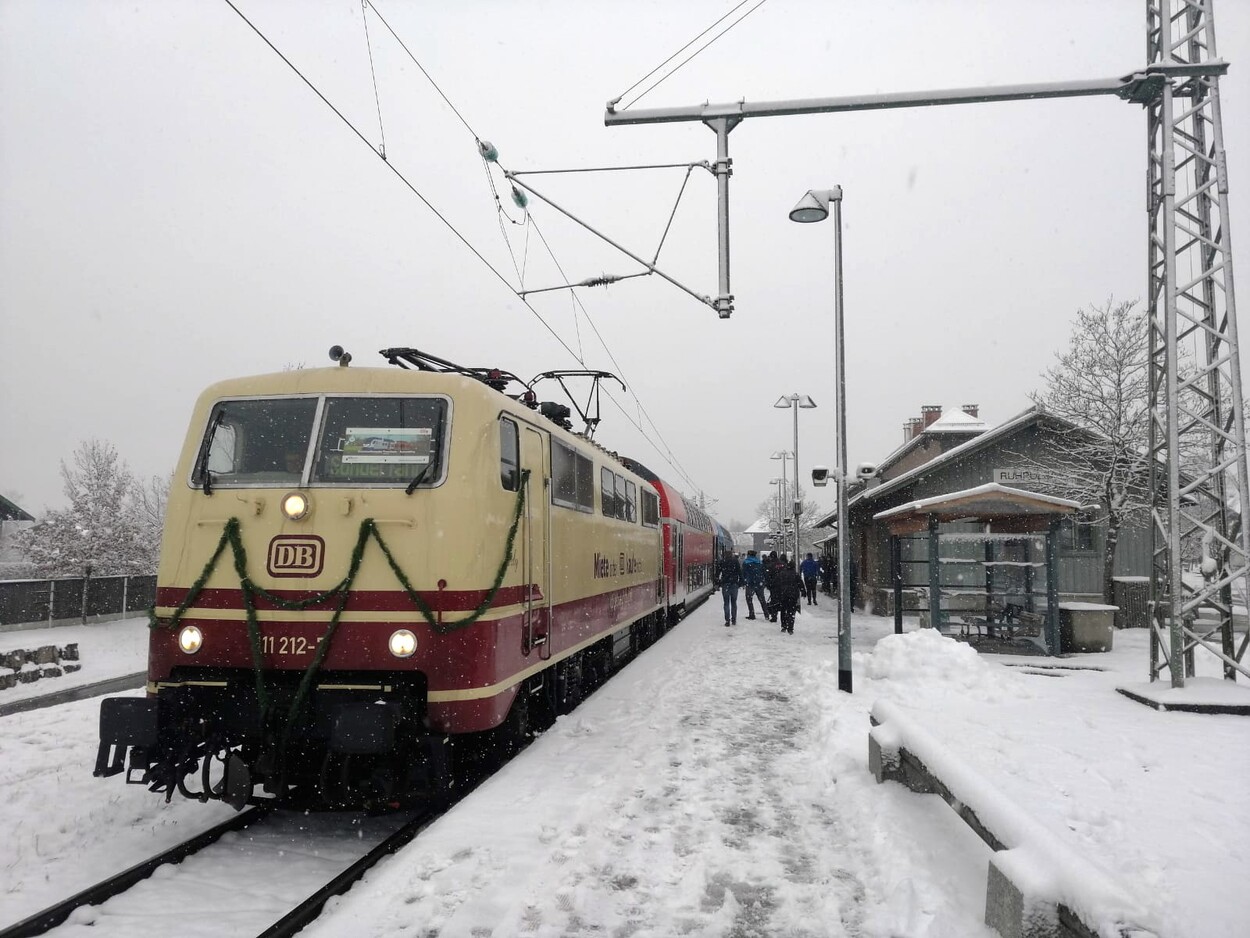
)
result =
(813, 207)
(794, 402)
(783, 455)
(781, 500)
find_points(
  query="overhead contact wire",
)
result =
(422, 68)
(364, 18)
(695, 53)
(672, 459)
(413, 189)
(680, 51)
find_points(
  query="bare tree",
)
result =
(1100, 385)
(150, 502)
(100, 531)
(811, 511)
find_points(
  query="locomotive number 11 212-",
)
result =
(288, 645)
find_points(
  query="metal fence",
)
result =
(33, 603)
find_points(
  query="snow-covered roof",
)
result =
(761, 526)
(1022, 419)
(988, 492)
(957, 421)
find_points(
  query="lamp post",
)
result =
(781, 500)
(783, 455)
(794, 402)
(814, 207)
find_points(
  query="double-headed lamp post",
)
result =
(813, 207)
(781, 500)
(783, 455)
(794, 402)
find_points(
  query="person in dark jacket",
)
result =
(810, 570)
(753, 584)
(729, 573)
(771, 563)
(786, 596)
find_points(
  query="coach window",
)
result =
(509, 455)
(650, 509)
(572, 478)
(631, 503)
(620, 497)
(607, 492)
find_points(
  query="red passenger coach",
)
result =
(689, 545)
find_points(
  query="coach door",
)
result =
(536, 544)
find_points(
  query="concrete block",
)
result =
(1012, 915)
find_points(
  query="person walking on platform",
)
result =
(730, 575)
(810, 570)
(786, 596)
(753, 584)
(770, 565)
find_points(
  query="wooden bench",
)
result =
(1007, 620)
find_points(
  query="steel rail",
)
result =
(54, 915)
(310, 908)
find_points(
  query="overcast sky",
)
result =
(177, 207)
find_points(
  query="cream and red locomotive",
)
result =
(361, 566)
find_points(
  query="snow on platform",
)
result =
(720, 785)
(1199, 695)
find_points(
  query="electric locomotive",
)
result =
(366, 570)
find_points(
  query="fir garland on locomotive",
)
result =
(367, 573)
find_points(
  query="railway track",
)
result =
(284, 834)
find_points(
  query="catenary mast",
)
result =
(1197, 431)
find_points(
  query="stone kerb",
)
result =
(1036, 886)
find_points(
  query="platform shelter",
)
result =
(1004, 515)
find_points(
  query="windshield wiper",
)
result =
(412, 486)
(202, 460)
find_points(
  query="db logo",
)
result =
(296, 555)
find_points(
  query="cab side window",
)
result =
(607, 492)
(509, 455)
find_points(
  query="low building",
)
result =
(956, 451)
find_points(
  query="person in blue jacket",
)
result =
(729, 572)
(809, 569)
(753, 582)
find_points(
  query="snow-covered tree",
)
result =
(101, 529)
(1101, 385)
(149, 504)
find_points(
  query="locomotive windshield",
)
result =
(257, 442)
(381, 441)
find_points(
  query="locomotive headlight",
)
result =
(190, 639)
(403, 644)
(295, 505)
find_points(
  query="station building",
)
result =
(945, 453)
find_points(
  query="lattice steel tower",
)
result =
(1197, 439)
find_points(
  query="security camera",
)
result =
(820, 475)
(866, 470)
